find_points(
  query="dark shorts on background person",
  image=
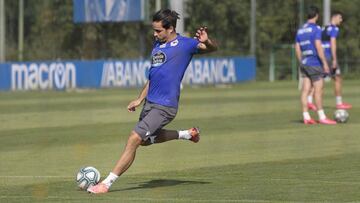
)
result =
(314, 73)
(334, 71)
(153, 117)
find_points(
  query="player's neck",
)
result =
(171, 37)
(312, 21)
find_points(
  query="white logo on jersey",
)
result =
(304, 30)
(306, 42)
(158, 59)
(174, 43)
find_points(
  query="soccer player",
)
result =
(329, 43)
(171, 55)
(313, 65)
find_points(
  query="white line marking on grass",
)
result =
(316, 181)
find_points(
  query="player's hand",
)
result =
(132, 105)
(326, 68)
(201, 34)
(334, 64)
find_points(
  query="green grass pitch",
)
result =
(253, 147)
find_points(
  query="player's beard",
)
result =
(160, 40)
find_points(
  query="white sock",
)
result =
(310, 99)
(110, 179)
(184, 134)
(338, 100)
(321, 114)
(306, 115)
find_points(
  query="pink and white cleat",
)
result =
(195, 134)
(98, 189)
(327, 121)
(309, 121)
(311, 106)
(344, 106)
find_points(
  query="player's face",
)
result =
(160, 33)
(338, 19)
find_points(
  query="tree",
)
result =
(51, 34)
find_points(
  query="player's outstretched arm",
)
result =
(298, 52)
(206, 45)
(135, 103)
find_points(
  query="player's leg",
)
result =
(338, 90)
(125, 161)
(154, 122)
(306, 88)
(136, 138)
(164, 135)
(337, 86)
(128, 155)
(318, 84)
(310, 99)
(318, 92)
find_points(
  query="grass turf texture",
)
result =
(254, 147)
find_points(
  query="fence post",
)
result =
(2, 31)
(272, 65)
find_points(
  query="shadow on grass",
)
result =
(297, 121)
(162, 183)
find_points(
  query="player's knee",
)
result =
(337, 78)
(135, 138)
(149, 141)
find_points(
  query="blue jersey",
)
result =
(169, 62)
(329, 32)
(306, 37)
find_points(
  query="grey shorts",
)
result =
(314, 73)
(153, 117)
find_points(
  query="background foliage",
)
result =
(51, 34)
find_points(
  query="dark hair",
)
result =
(167, 17)
(335, 13)
(312, 12)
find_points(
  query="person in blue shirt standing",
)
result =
(313, 65)
(329, 43)
(170, 57)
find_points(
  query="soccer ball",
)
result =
(87, 176)
(341, 116)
